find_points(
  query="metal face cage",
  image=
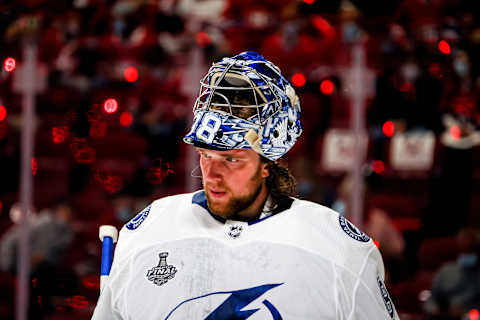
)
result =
(239, 90)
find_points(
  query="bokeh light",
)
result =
(111, 183)
(473, 314)
(309, 1)
(91, 281)
(324, 26)
(59, 134)
(455, 132)
(131, 74)
(98, 129)
(203, 39)
(77, 302)
(126, 119)
(85, 155)
(388, 129)
(9, 64)
(3, 113)
(110, 105)
(159, 171)
(34, 166)
(444, 47)
(82, 152)
(299, 79)
(327, 87)
(378, 166)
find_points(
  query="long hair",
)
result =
(281, 184)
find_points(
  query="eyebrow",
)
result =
(234, 152)
(237, 151)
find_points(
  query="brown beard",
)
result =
(237, 204)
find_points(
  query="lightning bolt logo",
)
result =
(231, 308)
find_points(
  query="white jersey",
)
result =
(175, 260)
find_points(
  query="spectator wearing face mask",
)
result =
(456, 287)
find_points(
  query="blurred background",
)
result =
(95, 96)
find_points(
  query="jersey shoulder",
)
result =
(355, 257)
(158, 209)
(157, 215)
(334, 237)
(329, 221)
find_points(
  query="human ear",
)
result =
(265, 170)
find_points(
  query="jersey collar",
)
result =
(201, 199)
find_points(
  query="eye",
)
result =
(231, 159)
(204, 154)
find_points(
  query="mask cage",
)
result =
(224, 82)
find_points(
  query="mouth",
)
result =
(216, 193)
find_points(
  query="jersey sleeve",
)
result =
(109, 305)
(372, 301)
(363, 295)
(105, 308)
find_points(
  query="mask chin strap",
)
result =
(254, 140)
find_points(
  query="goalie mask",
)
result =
(245, 103)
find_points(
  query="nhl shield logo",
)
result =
(162, 272)
(235, 231)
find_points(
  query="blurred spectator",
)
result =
(126, 204)
(378, 225)
(160, 127)
(51, 235)
(453, 183)
(456, 287)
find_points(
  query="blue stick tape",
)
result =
(107, 253)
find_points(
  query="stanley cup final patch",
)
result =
(162, 272)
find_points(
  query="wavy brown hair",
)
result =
(281, 184)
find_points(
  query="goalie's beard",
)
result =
(237, 204)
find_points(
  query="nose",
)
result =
(212, 170)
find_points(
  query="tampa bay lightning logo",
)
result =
(352, 231)
(138, 219)
(231, 307)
